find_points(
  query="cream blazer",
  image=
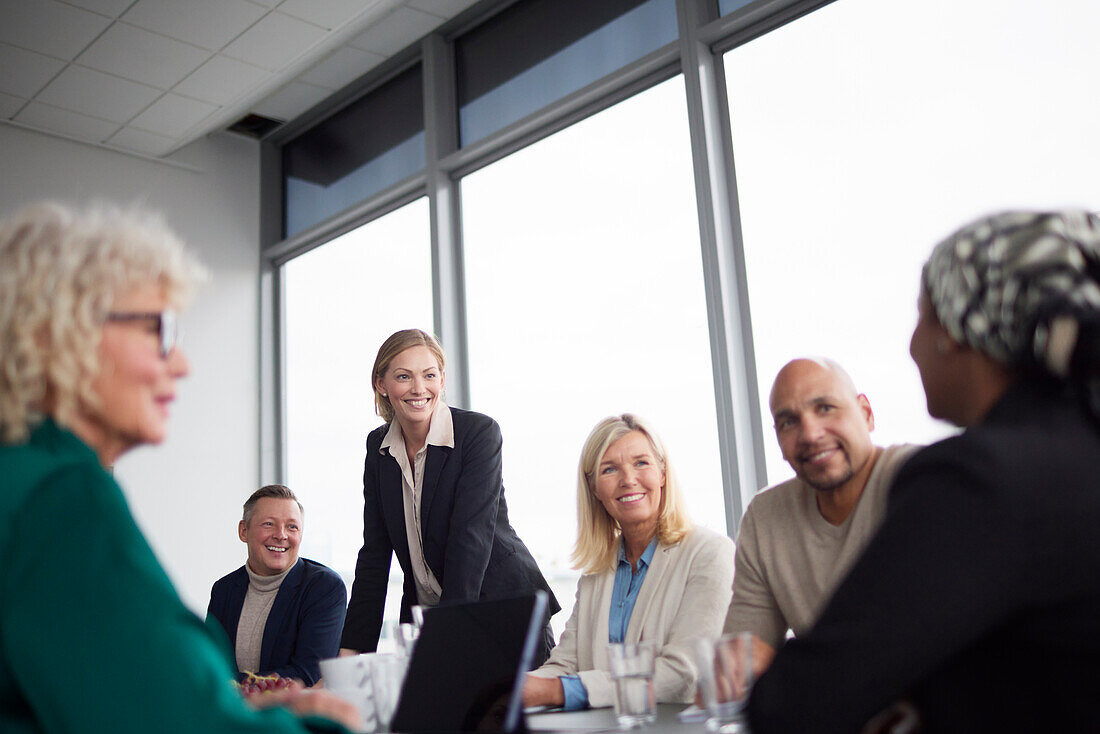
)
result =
(686, 594)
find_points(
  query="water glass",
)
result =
(387, 675)
(631, 667)
(729, 683)
(406, 635)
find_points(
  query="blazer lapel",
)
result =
(602, 609)
(391, 497)
(273, 628)
(237, 591)
(434, 461)
(663, 559)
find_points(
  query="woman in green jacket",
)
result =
(93, 637)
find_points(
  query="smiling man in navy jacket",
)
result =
(283, 614)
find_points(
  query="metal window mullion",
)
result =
(740, 431)
(271, 411)
(448, 272)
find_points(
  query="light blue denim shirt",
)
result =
(623, 597)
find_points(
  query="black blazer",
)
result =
(978, 599)
(303, 626)
(468, 542)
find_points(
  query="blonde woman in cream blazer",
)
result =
(630, 511)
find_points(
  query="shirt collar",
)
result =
(647, 554)
(441, 431)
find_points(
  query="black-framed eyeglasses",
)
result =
(168, 331)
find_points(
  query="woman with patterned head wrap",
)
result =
(978, 601)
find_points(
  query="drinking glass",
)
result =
(632, 670)
(387, 675)
(406, 635)
(729, 683)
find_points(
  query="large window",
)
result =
(866, 131)
(585, 299)
(536, 52)
(372, 143)
(342, 301)
(862, 133)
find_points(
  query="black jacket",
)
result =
(467, 539)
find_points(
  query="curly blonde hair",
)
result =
(60, 271)
(597, 533)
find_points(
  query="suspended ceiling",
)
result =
(150, 76)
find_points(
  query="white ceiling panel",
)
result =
(341, 68)
(9, 105)
(155, 75)
(222, 81)
(274, 41)
(66, 122)
(143, 142)
(111, 8)
(94, 93)
(136, 54)
(25, 72)
(442, 8)
(209, 24)
(396, 31)
(173, 115)
(291, 101)
(329, 14)
(49, 27)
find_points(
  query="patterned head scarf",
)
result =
(1024, 289)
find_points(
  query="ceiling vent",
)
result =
(254, 126)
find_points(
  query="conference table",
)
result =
(603, 720)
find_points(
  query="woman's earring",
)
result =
(385, 395)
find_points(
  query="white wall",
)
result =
(186, 494)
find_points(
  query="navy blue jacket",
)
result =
(303, 626)
(468, 541)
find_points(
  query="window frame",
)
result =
(697, 54)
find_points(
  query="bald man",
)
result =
(799, 538)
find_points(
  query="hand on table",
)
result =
(543, 692)
(309, 702)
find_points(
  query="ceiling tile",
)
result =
(25, 72)
(222, 81)
(274, 41)
(9, 105)
(130, 52)
(396, 31)
(66, 122)
(141, 141)
(267, 3)
(49, 27)
(328, 14)
(97, 94)
(443, 8)
(207, 23)
(341, 68)
(173, 115)
(291, 101)
(110, 8)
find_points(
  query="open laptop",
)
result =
(468, 667)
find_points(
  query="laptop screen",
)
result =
(468, 666)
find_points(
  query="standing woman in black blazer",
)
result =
(434, 496)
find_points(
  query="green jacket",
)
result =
(93, 637)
